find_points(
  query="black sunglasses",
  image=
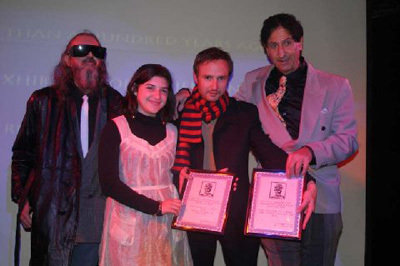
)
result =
(84, 49)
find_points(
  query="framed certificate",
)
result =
(273, 202)
(205, 202)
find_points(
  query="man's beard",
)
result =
(87, 76)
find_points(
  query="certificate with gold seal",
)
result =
(205, 202)
(273, 202)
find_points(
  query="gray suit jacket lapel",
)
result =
(314, 94)
(311, 107)
(275, 128)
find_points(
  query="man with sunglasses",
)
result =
(313, 121)
(54, 163)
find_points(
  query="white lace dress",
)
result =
(131, 237)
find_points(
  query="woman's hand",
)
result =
(170, 206)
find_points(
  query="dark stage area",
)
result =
(383, 142)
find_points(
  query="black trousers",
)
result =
(317, 247)
(237, 249)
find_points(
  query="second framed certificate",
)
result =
(205, 202)
(274, 199)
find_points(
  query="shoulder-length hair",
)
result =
(62, 75)
(142, 75)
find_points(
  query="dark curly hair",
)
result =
(287, 21)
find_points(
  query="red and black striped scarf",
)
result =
(195, 111)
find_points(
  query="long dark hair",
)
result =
(142, 75)
(63, 77)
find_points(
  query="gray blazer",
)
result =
(327, 126)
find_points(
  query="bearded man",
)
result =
(54, 162)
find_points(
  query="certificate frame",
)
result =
(205, 202)
(272, 207)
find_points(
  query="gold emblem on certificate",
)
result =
(272, 210)
(205, 202)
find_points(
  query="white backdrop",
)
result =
(33, 33)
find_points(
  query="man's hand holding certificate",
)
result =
(273, 209)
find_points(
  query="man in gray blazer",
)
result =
(314, 123)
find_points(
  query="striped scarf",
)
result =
(195, 111)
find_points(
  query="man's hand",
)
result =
(180, 98)
(25, 217)
(308, 204)
(298, 162)
(183, 174)
(235, 180)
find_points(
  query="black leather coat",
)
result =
(46, 170)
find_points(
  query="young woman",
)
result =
(136, 153)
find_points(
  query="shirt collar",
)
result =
(294, 76)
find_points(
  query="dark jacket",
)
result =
(46, 170)
(237, 132)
